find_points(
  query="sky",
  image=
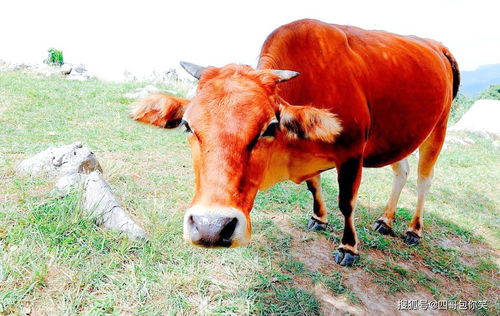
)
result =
(110, 37)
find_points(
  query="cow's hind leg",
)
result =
(318, 220)
(349, 178)
(384, 224)
(428, 155)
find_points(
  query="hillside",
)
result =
(55, 261)
(477, 80)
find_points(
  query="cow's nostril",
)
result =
(228, 229)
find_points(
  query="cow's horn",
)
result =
(192, 69)
(285, 75)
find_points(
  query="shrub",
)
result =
(460, 105)
(55, 57)
(463, 102)
(492, 93)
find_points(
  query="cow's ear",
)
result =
(160, 109)
(307, 122)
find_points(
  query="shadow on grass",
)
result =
(453, 261)
(286, 270)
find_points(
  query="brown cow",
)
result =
(363, 99)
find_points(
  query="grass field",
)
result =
(54, 260)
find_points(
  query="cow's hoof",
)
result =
(411, 238)
(383, 228)
(345, 257)
(314, 224)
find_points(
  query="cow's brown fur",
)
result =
(364, 98)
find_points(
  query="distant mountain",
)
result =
(473, 82)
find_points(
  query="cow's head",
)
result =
(234, 125)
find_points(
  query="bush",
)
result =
(492, 93)
(460, 105)
(55, 57)
(463, 102)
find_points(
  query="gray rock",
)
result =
(140, 93)
(460, 141)
(39, 68)
(20, 66)
(66, 183)
(163, 76)
(75, 164)
(469, 141)
(43, 69)
(64, 160)
(100, 202)
(79, 73)
(80, 69)
(61, 160)
(129, 77)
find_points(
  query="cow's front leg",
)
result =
(318, 220)
(349, 176)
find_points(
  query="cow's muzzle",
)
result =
(216, 227)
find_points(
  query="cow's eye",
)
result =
(271, 129)
(187, 127)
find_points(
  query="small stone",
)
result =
(455, 140)
(469, 141)
(128, 76)
(78, 73)
(79, 69)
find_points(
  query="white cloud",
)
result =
(112, 36)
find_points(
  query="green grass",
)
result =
(54, 260)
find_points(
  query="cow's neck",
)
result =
(296, 160)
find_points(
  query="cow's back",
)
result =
(387, 89)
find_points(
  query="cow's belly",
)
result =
(398, 130)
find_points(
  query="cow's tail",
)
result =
(454, 69)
